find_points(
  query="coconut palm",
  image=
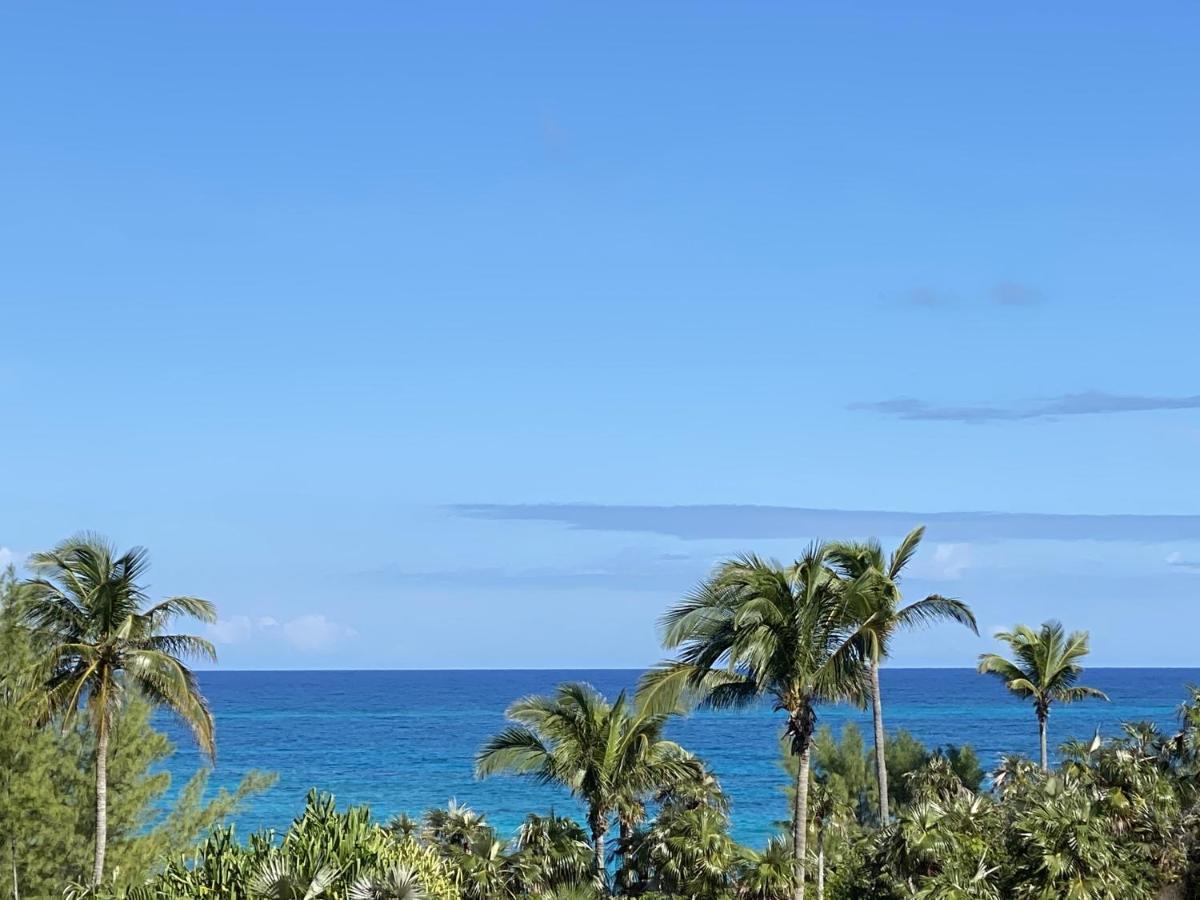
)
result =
(882, 612)
(98, 639)
(757, 629)
(1045, 669)
(605, 754)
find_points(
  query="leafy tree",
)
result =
(683, 851)
(880, 611)
(843, 767)
(97, 638)
(757, 629)
(766, 875)
(550, 853)
(47, 775)
(610, 756)
(1045, 669)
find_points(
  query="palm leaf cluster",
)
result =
(98, 638)
(1045, 669)
(611, 756)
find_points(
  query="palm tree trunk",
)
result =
(626, 832)
(800, 823)
(880, 749)
(1042, 716)
(101, 800)
(821, 864)
(599, 827)
(12, 846)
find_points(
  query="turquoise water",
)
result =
(406, 740)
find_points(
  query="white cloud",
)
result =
(312, 631)
(233, 630)
(316, 632)
(6, 557)
(949, 561)
(238, 629)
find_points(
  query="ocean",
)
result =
(406, 740)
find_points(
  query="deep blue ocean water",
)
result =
(405, 740)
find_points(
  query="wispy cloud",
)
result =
(927, 297)
(239, 629)
(1087, 403)
(309, 632)
(1014, 293)
(628, 570)
(949, 561)
(1177, 560)
(6, 557)
(744, 522)
(316, 632)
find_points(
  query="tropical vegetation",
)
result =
(1045, 669)
(97, 639)
(82, 650)
(880, 613)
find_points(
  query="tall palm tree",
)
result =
(757, 629)
(605, 754)
(98, 639)
(1045, 669)
(882, 613)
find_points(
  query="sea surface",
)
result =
(405, 740)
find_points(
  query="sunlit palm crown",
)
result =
(878, 605)
(611, 755)
(1045, 666)
(756, 628)
(99, 636)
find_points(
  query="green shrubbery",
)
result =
(325, 853)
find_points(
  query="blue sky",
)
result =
(448, 335)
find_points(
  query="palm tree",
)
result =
(765, 875)
(98, 638)
(882, 612)
(278, 879)
(1045, 670)
(605, 754)
(757, 629)
(684, 852)
(396, 883)
(551, 852)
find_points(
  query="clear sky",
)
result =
(400, 330)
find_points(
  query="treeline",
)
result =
(1115, 819)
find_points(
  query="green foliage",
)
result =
(1045, 669)
(326, 853)
(844, 767)
(611, 756)
(683, 852)
(1117, 820)
(97, 641)
(47, 783)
